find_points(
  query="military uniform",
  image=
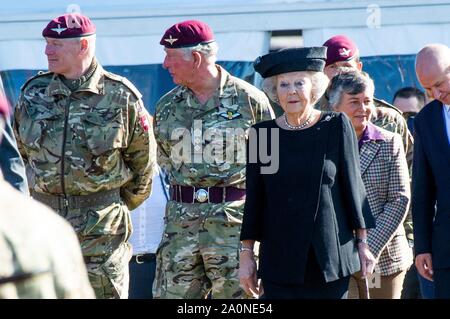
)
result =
(92, 153)
(199, 249)
(38, 262)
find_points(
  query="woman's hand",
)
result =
(366, 259)
(247, 274)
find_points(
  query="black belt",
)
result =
(191, 194)
(79, 201)
(143, 258)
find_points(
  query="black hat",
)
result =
(291, 60)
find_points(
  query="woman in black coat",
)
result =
(307, 206)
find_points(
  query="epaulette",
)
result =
(379, 102)
(125, 82)
(39, 74)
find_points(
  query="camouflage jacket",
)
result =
(38, 262)
(94, 139)
(211, 152)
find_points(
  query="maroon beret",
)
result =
(71, 25)
(187, 34)
(4, 108)
(340, 48)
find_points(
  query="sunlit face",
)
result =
(63, 55)
(435, 79)
(182, 71)
(294, 91)
(334, 69)
(358, 108)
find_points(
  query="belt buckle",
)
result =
(137, 259)
(202, 195)
(65, 202)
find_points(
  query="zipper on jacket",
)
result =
(63, 156)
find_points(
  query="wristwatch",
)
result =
(362, 240)
(242, 248)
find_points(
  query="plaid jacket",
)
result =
(385, 175)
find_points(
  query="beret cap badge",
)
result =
(70, 25)
(187, 34)
(340, 48)
(171, 40)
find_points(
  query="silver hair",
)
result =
(209, 50)
(90, 38)
(319, 83)
(354, 82)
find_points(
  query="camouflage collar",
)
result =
(96, 84)
(75, 84)
(227, 87)
(57, 87)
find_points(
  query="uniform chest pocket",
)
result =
(105, 131)
(39, 126)
(170, 126)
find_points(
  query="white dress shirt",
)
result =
(148, 220)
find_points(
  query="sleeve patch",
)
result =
(144, 122)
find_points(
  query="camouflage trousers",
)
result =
(109, 274)
(103, 233)
(198, 253)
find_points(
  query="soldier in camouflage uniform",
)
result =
(36, 262)
(198, 253)
(87, 138)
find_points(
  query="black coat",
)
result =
(335, 205)
(431, 185)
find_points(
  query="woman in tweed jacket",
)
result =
(385, 175)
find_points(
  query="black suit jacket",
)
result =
(431, 185)
(334, 199)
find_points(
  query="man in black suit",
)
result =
(431, 170)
